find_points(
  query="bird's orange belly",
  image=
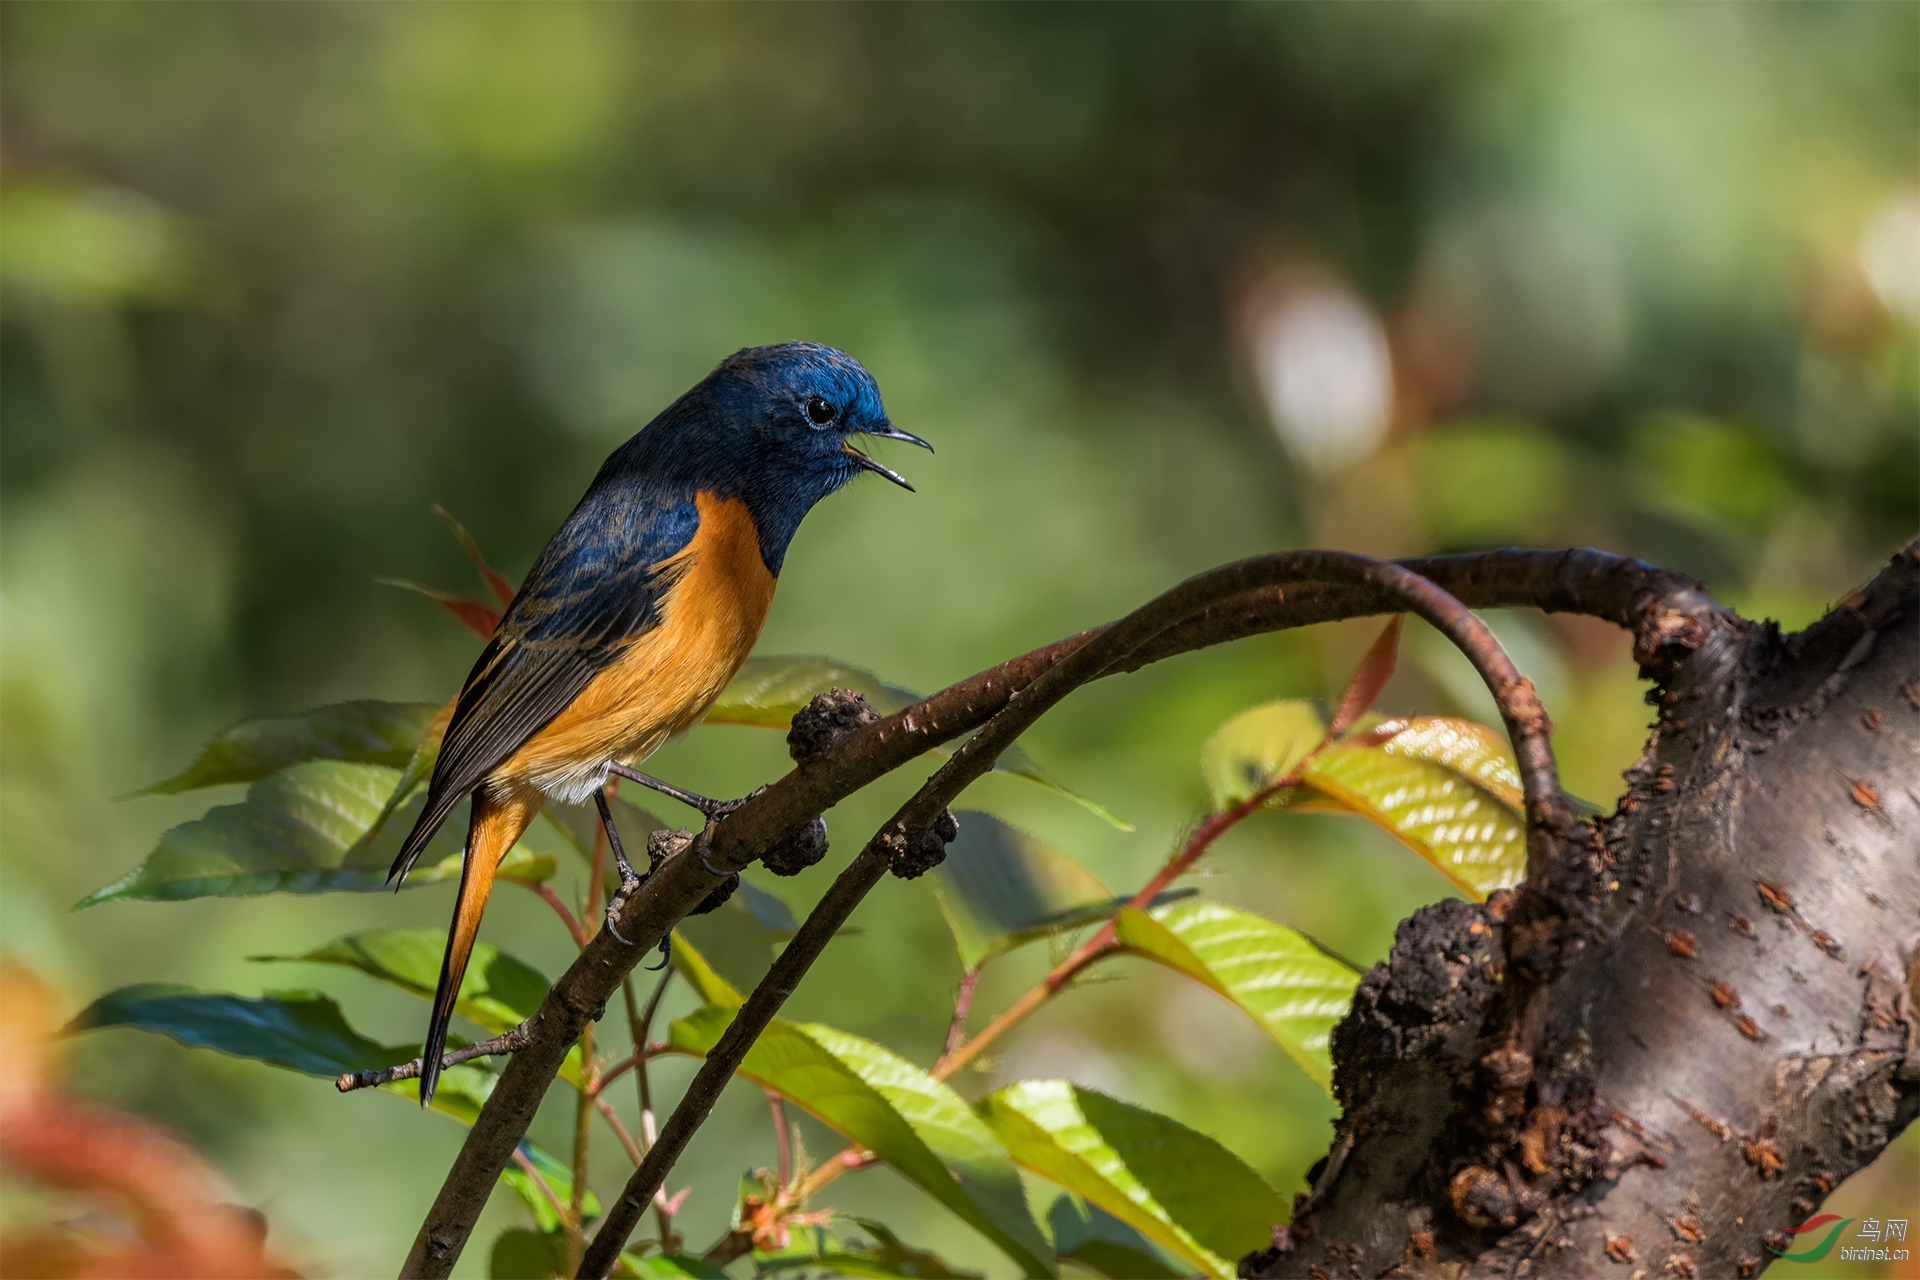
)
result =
(667, 678)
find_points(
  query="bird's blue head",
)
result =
(772, 426)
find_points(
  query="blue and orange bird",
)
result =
(640, 610)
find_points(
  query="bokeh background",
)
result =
(1166, 285)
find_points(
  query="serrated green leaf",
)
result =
(1464, 830)
(1474, 751)
(1177, 1187)
(557, 1176)
(1000, 887)
(892, 1108)
(1253, 748)
(770, 691)
(363, 732)
(499, 992)
(1294, 990)
(298, 831)
(1097, 1240)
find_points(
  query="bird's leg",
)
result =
(711, 808)
(629, 878)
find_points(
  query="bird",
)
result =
(639, 611)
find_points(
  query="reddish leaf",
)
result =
(480, 619)
(1369, 678)
(496, 581)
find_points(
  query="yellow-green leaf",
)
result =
(1474, 751)
(1000, 887)
(1177, 1187)
(301, 830)
(1294, 990)
(702, 976)
(884, 1103)
(1257, 746)
(1461, 828)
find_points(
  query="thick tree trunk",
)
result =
(1678, 1037)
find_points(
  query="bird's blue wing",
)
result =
(597, 587)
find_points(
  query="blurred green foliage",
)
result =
(274, 279)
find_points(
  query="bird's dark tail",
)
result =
(496, 825)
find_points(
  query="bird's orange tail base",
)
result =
(497, 823)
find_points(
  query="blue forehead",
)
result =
(795, 370)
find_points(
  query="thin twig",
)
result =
(962, 1004)
(507, 1042)
(527, 1167)
(584, 1104)
(626, 1064)
(552, 899)
(639, 1027)
(784, 1168)
(612, 1118)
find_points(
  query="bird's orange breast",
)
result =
(666, 678)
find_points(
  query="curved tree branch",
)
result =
(1651, 601)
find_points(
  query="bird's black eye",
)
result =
(820, 412)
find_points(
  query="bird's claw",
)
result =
(629, 881)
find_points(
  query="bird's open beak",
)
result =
(886, 431)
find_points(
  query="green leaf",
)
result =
(706, 982)
(892, 1108)
(556, 1175)
(499, 992)
(1015, 761)
(1001, 887)
(362, 732)
(1294, 990)
(733, 941)
(1249, 751)
(1461, 828)
(886, 1257)
(665, 1266)
(520, 1254)
(1101, 1242)
(298, 831)
(301, 1030)
(1179, 1188)
(770, 691)
(419, 764)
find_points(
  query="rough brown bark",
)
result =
(1691, 1024)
